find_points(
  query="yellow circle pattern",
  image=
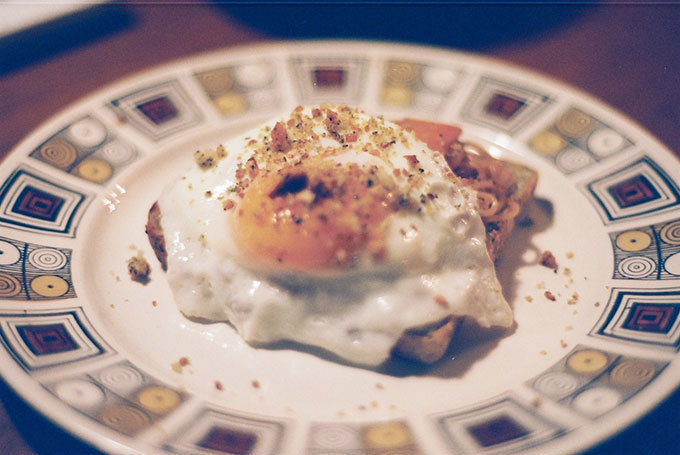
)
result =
(633, 240)
(95, 170)
(587, 361)
(158, 399)
(49, 286)
(397, 96)
(231, 103)
(387, 435)
(547, 143)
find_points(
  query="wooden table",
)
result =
(626, 55)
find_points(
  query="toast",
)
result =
(425, 344)
(429, 344)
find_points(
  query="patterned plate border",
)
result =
(60, 363)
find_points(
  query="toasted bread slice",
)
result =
(428, 344)
(425, 344)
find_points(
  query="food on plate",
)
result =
(336, 229)
(139, 269)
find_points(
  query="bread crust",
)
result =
(154, 231)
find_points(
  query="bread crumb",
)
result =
(543, 352)
(441, 301)
(563, 344)
(219, 386)
(548, 260)
(139, 268)
(228, 205)
(208, 158)
(569, 328)
(154, 303)
(570, 254)
(379, 386)
(178, 367)
(549, 295)
(573, 300)
(529, 298)
(255, 383)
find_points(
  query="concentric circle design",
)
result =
(633, 240)
(9, 285)
(604, 141)
(9, 253)
(670, 233)
(573, 159)
(87, 133)
(158, 399)
(80, 393)
(402, 73)
(386, 435)
(47, 259)
(95, 170)
(124, 418)
(335, 437)
(121, 378)
(49, 286)
(574, 123)
(117, 153)
(58, 153)
(438, 79)
(637, 267)
(253, 76)
(632, 373)
(216, 81)
(596, 401)
(556, 384)
(587, 361)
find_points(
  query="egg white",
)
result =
(357, 314)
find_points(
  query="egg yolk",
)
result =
(311, 218)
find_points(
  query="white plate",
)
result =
(113, 361)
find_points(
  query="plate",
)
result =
(112, 361)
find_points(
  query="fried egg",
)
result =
(330, 228)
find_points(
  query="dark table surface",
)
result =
(625, 54)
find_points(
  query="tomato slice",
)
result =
(437, 136)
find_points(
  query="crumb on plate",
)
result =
(547, 259)
(139, 269)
